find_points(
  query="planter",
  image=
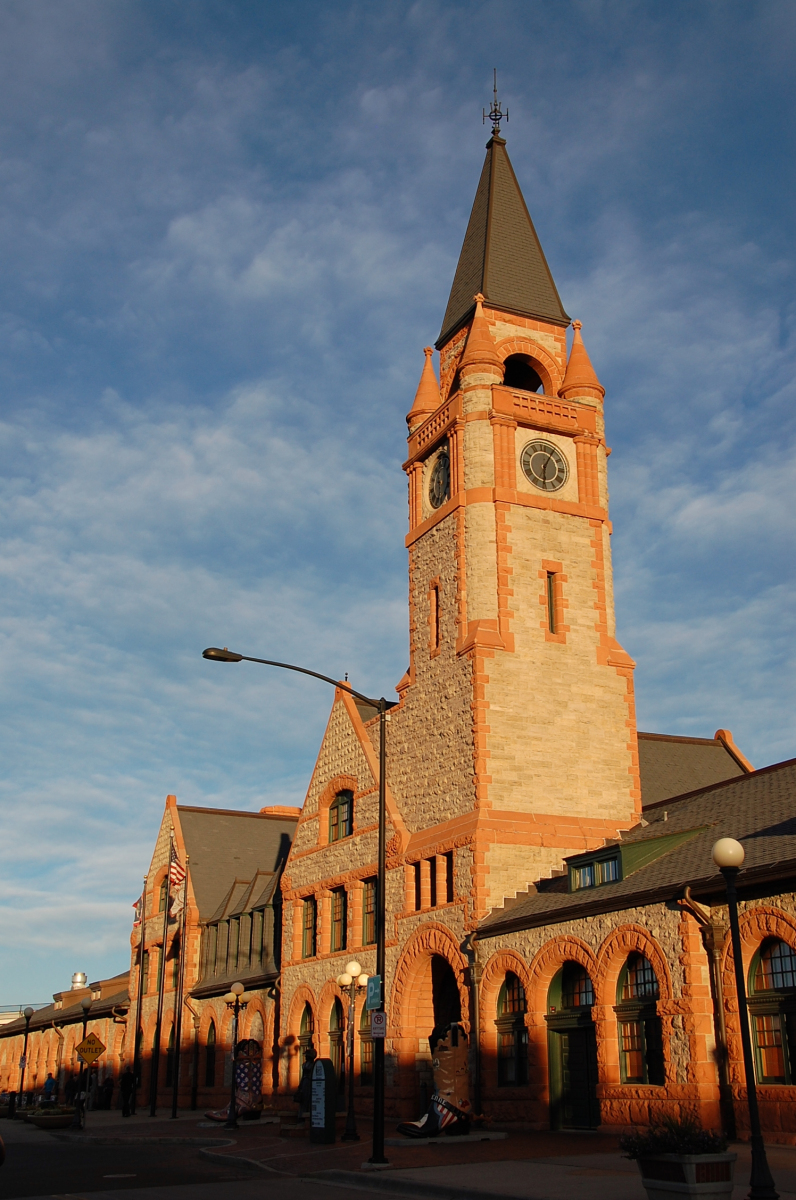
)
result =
(51, 1120)
(667, 1175)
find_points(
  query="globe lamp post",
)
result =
(352, 980)
(27, 1014)
(233, 1001)
(728, 855)
(214, 654)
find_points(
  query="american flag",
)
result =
(177, 875)
(138, 905)
(176, 869)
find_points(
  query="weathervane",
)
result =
(495, 113)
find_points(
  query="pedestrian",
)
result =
(107, 1092)
(127, 1088)
(70, 1090)
(50, 1089)
(303, 1096)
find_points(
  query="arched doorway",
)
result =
(445, 999)
(337, 1049)
(572, 1050)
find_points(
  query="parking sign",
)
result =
(378, 1024)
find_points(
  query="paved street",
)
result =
(185, 1160)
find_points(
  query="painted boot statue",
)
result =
(248, 1083)
(450, 1108)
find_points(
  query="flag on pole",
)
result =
(177, 875)
(138, 905)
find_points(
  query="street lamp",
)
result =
(233, 1001)
(352, 979)
(23, 1062)
(728, 855)
(79, 1118)
(216, 655)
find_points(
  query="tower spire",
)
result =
(495, 114)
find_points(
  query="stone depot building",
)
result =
(549, 877)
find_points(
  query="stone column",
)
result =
(298, 928)
(354, 931)
(323, 934)
(425, 883)
(441, 865)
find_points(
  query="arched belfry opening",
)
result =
(521, 373)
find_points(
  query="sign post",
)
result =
(89, 1051)
(373, 998)
(323, 1109)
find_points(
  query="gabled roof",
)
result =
(225, 846)
(757, 809)
(671, 766)
(501, 255)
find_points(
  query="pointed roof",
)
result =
(501, 255)
(580, 375)
(427, 395)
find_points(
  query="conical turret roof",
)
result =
(501, 255)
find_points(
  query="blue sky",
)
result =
(227, 231)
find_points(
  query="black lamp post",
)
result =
(216, 655)
(23, 1062)
(79, 1118)
(728, 855)
(352, 979)
(233, 1001)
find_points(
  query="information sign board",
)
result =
(373, 997)
(90, 1049)
(378, 1024)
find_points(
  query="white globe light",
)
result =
(238, 989)
(344, 980)
(363, 980)
(229, 998)
(728, 853)
(353, 969)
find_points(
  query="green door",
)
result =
(573, 1078)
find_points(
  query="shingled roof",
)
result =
(501, 255)
(757, 809)
(671, 766)
(225, 846)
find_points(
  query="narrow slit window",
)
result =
(418, 898)
(310, 926)
(551, 601)
(369, 912)
(449, 877)
(339, 907)
(433, 617)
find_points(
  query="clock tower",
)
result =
(515, 739)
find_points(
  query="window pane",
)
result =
(369, 913)
(308, 946)
(768, 1033)
(607, 871)
(576, 989)
(777, 969)
(365, 1061)
(338, 919)
(583, 877)
(512, 996)
(631, 1047)
(641, 982)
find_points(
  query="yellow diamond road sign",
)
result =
(90, 1049)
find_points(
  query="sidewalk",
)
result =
(525, 1166)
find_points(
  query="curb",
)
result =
(368, 1181)
(98, 1140)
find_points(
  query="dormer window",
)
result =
(593, 873)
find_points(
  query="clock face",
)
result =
(439, 487)
(545, 466)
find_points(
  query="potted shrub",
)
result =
(678, 1158)
(52, 1117)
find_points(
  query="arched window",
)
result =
(640, 1035)
(337, 1043)
(307, 1028)
(520, 373)
(210, 1056)
(341, 816)
(772, 1007)
(365, 1050)
(512, 1033)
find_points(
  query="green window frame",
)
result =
(640, 1032)
(341, 816)
(365, 1050)
(309, 939)
(512, 1033)
(339, 919)
(369, 893)
(772, 1012)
